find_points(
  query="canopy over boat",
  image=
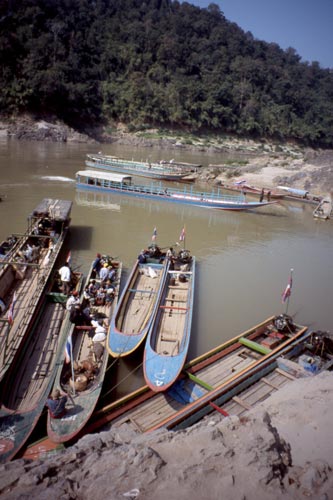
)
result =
(104, 175)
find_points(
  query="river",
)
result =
(243, 259)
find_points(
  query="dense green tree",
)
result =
(158, 62)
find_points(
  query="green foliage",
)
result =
(157, 63)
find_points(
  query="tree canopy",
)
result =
(157, 63)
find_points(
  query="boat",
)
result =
(207, 376)
(168, 171)
(25, 271)
(117, 183)
(169, 334)
(90, 362)
(306, 357)
(29, 379)
(324, 209)
(135, 309)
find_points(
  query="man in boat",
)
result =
(142, 257)
(65, 277)
(72, 300)
(96, 266)
(56, 404)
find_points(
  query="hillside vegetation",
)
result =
(157, 63)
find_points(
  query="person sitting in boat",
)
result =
(72, 300)
(77, 316)
(110, 292)
(56, 404)
(142, 257)
(103, 274)
(112, 273)
(154, 251)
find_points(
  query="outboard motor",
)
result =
(284, 323)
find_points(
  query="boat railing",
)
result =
(145, 166)
(157, 189)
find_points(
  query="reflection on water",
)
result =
(243, 259)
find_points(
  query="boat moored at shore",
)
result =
(25, 271)
(116, 183)
(169, 171)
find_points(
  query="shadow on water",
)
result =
(80, 237)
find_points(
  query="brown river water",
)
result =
(243, 259)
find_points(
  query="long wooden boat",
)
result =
(306, 357)
(91, 364)
(169, 334)
(136, 306)
(29, 379)
(116, 183)
(169, 171)
(25, 271)
(324, 209)
(206, 376)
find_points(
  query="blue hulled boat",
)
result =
(169, 334)
(134, 312)
(116, 183)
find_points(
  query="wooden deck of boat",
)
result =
(172, 320)
(28, 292)
(37, 365)
(138, 307)
(162, 406)
(258, 392)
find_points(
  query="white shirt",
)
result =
(65, 273)
(72, 301)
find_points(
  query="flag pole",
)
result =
(290, 284)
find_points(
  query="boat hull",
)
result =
(185, 198)
(29, 380)
(83, 402)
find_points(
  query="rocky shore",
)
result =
(266, 164)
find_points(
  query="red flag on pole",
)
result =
(153, 238)
(287, 291)
(182, 234)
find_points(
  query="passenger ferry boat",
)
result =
(117, 183)
(168, 171)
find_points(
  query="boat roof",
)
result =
(97, 174)
(53, 208)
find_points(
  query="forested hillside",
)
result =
(157, 63)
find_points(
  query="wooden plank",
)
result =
(268, 382)
(285, 374)
(242, 403)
